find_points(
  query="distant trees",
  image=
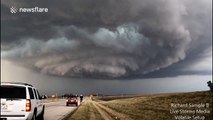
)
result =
(210, 84)
(68, 95)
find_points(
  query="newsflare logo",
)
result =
(28, 10)
(13, 9)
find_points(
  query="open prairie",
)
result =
(175, 106)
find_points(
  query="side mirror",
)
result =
(43, 97)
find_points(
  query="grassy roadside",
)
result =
(147, 107)
(157, 107)
(86, 111)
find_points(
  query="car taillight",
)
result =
(28, 105)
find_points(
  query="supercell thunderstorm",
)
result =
(111, 38)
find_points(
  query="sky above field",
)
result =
(108, 46)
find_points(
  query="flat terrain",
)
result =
(178, 106)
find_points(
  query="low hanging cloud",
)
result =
(109, 38)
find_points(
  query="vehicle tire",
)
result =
(41, 116)
(67, 104)
(76, 104)
(34, 116)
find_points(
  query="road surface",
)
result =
(57, 110)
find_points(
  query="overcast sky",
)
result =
(108, 46)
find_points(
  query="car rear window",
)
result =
(31, 93)
(38, 94)
(35, 94)
(13, 92)
(73, 98)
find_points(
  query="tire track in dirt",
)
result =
(118, 115)
(92, 116)
(105, 115)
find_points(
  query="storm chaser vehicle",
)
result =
(20, 101)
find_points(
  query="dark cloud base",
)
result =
(107, 38)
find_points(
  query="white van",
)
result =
(20, 101)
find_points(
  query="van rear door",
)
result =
(13, 101)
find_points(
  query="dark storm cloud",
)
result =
(107, 38)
